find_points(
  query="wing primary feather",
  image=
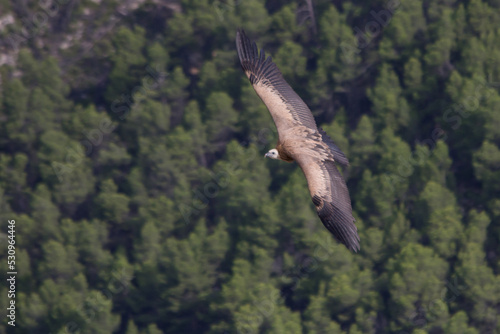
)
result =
(262, 57)
(268, 67)
(340, 225)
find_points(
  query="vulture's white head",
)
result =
(273, 154)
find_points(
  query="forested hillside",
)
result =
(131, 159)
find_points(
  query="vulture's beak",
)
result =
(266, 155)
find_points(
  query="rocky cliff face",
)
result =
(67, 27)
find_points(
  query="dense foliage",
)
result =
(131, 158)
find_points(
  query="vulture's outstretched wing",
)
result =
(330, 196)
(286, 107)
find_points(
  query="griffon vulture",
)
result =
(299, 139)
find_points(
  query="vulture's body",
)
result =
(302, 141)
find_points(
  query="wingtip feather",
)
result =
(341, 225)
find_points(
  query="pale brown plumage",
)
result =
(301, 140)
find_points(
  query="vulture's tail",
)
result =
(338, 155)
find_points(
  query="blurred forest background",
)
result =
(131, 158)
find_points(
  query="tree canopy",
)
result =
(131, 159)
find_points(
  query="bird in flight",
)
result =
(300, 140)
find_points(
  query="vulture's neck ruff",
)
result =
(283, 153)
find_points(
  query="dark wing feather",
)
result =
(336, 215)
(285, 106)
